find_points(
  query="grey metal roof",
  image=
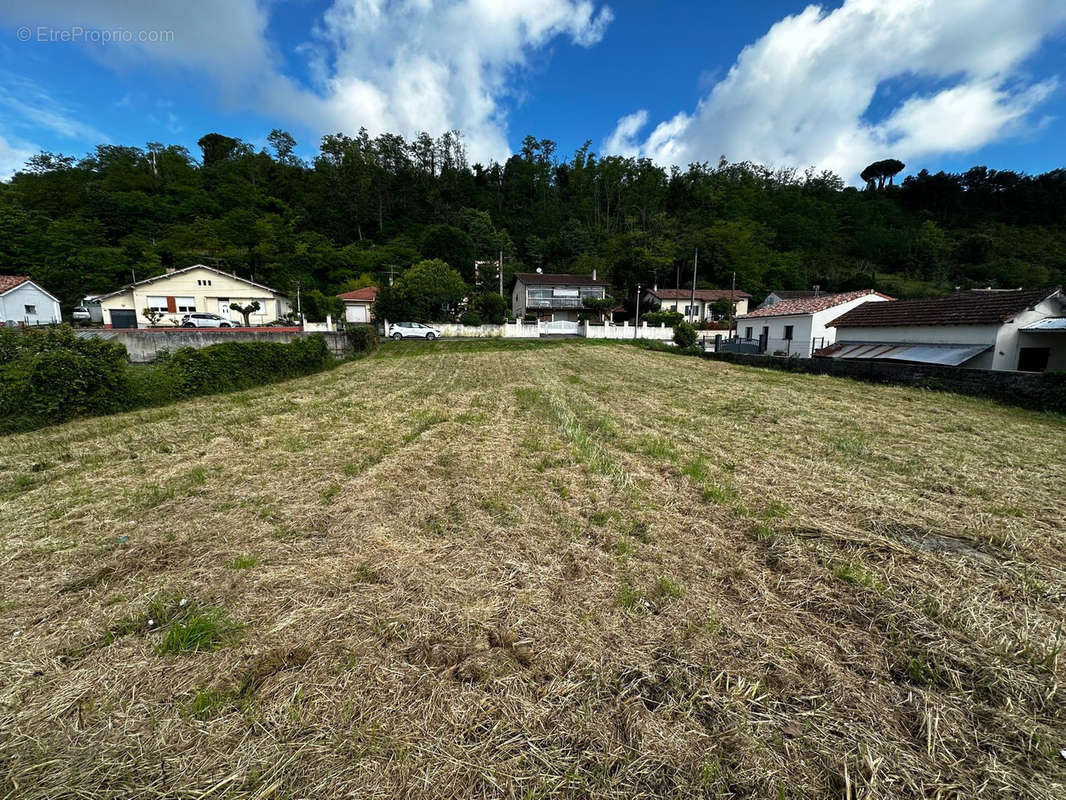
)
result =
(1047, 325)
(946, 354)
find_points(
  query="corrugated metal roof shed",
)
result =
(947, 354)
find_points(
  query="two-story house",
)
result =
(554, 297)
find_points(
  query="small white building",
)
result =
(23, 302)
(183, 291)
(701, 308)
(359, 304)
(799, 326)
(1013, 329)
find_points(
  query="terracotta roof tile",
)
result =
(368, 293)
(8, 282)
(701, 294)
(810, 305)
(981, 307)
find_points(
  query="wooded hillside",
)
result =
(367, 206)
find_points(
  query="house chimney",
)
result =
(593, 273)
(655, 288)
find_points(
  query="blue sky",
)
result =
(941, 84)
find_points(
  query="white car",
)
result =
(206, 321)
(412, 330)
(80, 314)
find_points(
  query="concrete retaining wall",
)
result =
(1043, 391)
(144, 344)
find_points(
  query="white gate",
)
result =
(561, 326)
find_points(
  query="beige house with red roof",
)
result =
(23, 302)
(359, 304)
(700, 309)
(800, 325)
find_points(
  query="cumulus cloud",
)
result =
(388, 65)
(13, 155)
(802, 94)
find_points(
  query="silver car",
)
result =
(202, 320)
(412, 330)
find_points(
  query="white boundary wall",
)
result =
(533, 330)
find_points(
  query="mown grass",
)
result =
(453, 569)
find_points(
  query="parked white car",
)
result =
(201, 320)
(412, 330)
(80, 314)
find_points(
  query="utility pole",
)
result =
(695, 261)
(732, 304)
(636, 319)
(499, 267)
(299, 309)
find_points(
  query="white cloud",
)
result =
(623, 141)
(13, 155)
(800, 95)
(387, 65)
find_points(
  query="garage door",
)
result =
(123, 318)
(356, 313)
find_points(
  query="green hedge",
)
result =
(362, 338)
(669, 318)
(52, 376)
(231, 366)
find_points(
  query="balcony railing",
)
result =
(554, 302)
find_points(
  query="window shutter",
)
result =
(171, 305)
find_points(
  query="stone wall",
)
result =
(144, 344)
(1043, 391)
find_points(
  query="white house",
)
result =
(699, 310)
(358, 304)
(23, 302)
(556, 299)
(1014, 329)
(183, 291)
(799, 325)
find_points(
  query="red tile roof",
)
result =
(9, 282)
(557, 279)
(701, 294)
(810, 305)
(981, 307)
(368, 294)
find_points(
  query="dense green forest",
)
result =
(368, 208)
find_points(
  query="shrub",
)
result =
(471, 318)
(362, 338)
(669, 318)
(492, 308)
(52, 376)
(231, 366)
(685, 335)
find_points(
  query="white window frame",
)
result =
(185, 308)
(160, 307)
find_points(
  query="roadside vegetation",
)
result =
(512, 569)
(51, 376)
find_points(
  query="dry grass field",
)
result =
(559, 570)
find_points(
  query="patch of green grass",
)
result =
(762, 532)
(201, 630)
(855, 446)
(667, 589)
(365, 572)
(208, 703)
(629, 597)
(721, 493)
(329, 493)
(776, 510)
(244, 562)
(856, 575)
(696, 469)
